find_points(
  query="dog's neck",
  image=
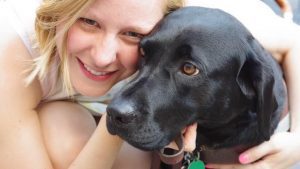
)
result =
(229, 134)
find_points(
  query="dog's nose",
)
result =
(121, 115)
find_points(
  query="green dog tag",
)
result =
(197, 164)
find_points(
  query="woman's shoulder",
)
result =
(23, 11)
(19, 16)
(10, 40)
(275, 33)
(14, 56)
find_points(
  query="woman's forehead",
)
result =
(138, 7)
(136, 13)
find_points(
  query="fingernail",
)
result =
(243, 159)
(208, 166)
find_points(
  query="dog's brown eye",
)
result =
(189, 69)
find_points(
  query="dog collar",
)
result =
(171, 156)
(225, 155)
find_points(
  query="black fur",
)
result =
(236, 98)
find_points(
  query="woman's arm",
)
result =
(20, 136)
(21, 139)
(292, 76)
(101, 156)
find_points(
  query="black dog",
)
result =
(200, 65)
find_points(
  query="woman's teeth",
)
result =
(95, 72)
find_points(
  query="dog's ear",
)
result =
(256, 80)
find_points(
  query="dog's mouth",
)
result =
(147, 137)
(155, 142)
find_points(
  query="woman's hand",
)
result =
(189, 138)
(280, 152)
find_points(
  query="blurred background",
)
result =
(295, 7)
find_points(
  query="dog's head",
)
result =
(199, 65)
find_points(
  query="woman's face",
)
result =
(103, 43)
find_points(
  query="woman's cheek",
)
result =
(134, 59)
(77, 39)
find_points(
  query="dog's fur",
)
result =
(236, 98)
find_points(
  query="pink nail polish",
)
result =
(243, 159)
(208, 166)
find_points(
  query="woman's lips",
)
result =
(94, 75)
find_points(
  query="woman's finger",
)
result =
(189, 139)
(253, 154)
(190, 136)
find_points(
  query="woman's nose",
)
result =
(105, 50)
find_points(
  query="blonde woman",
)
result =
(81, 49)
(84, 47)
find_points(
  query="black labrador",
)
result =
(200, 65)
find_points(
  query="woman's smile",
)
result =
(93, 74)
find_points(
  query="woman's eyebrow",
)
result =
(142, 27)
(139, 29)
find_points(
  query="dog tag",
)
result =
(196, 164)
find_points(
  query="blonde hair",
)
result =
(51, 14)
(172, 5)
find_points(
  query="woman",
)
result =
(84, 48)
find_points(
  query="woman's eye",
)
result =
(189, 69)
(89, 22)
(134, 35)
